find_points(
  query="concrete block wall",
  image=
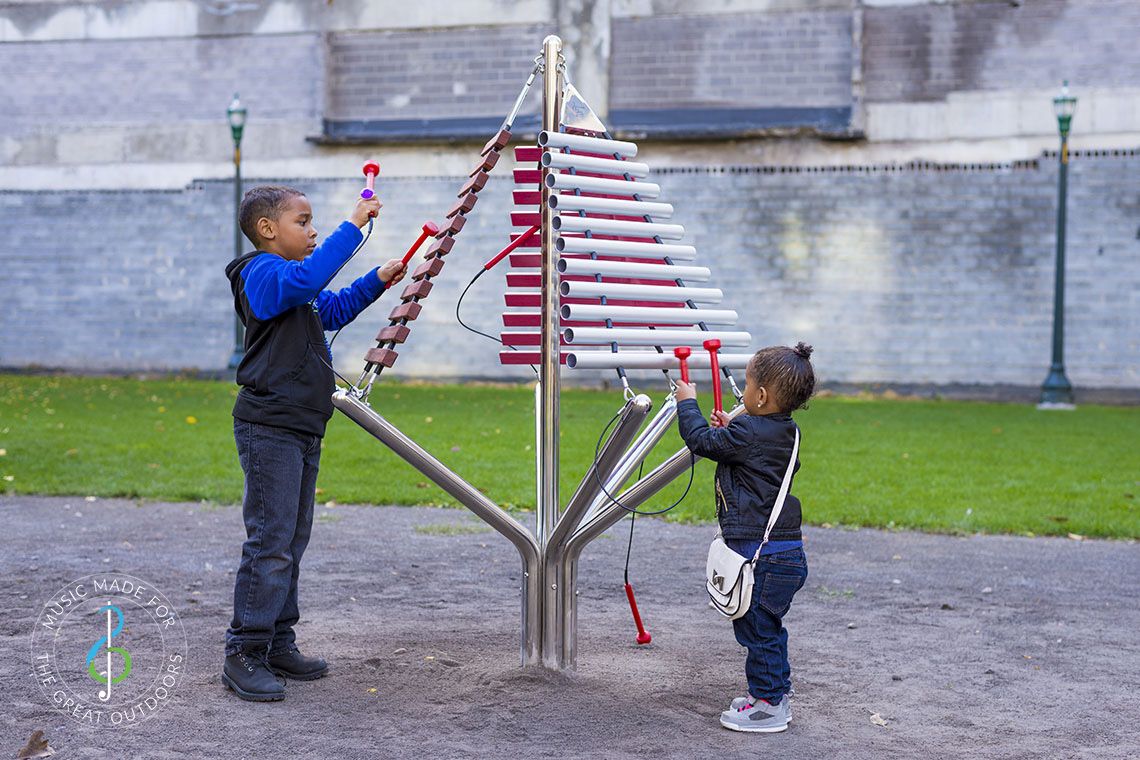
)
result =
(924, 275)
(116, 280)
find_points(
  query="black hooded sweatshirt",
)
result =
(286, 375)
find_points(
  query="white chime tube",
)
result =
(616, 206)
(650, 360)
(639, 336)
(633, 269)
(593, 164)
(626, 248)
(587, 144)
(649, 314)
(602, 185)
(620, 291)
(573, 223)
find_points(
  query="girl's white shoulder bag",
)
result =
(728, 575)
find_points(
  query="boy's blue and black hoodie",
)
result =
(286, 375)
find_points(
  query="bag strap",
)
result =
(779, 505)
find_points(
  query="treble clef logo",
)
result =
(106, 676)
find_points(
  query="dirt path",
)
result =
(966, 647)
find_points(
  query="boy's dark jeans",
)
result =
(761, 630)
(280, 468)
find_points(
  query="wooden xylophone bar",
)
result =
(397, 332)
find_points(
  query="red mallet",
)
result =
(520, 240)
(643, 636)
(712, 345)
(429, 228)
(682, 353)
(371, 170)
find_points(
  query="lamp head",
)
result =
(236, 114)
(1064, 106)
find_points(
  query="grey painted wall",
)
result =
(917, 275)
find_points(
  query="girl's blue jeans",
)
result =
(761, 630)
(280, 469)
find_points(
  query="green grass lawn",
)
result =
(932, 465)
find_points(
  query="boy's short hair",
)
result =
(263, 201)
(786, 373)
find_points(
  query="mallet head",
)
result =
(371, 171)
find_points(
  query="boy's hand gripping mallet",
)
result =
(371, 170)
(643, 636)
(682, 353)
(429, 228)
(712, 345)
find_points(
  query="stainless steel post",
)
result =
(547, 507)
(473, 499)
(553, 572)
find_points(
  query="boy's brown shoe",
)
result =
(249, 676)
(293, 664)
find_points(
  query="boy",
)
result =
(752, 453)
(285, 400)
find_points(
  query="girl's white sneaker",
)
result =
(757, 716)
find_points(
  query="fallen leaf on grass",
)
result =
(878, 720)
(191, 420)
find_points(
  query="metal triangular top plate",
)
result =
(577, 114)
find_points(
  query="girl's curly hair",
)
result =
(786, 373)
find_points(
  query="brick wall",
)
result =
(909, 276)
(51, 86)
(429, 74)
(923, 52)
(733, 61)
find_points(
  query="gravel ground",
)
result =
(986, 646)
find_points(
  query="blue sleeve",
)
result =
(274, 284)
(727, 444)
(340, 308)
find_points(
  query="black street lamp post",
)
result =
(1056, 391)
(236, 114)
